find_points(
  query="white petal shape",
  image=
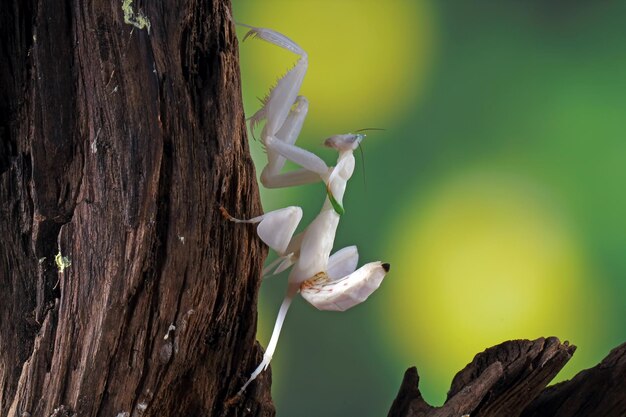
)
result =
(277, 227)
(343, 262)
(346, 292)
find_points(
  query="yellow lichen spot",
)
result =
(62, 261)
(138, 20)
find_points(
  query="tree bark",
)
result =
(123, 291)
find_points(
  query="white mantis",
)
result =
(327, 282)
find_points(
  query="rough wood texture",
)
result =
(117, 145)
(510, 380)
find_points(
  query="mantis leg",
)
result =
(276, 228)
(272, 36)
(307, 160)
(271, 347)
(283, 262)
(280, 98)
(283, 96)
(267, 271)
(290, 130)
(285, 112)
(288, 133)
(293, 253)
(288, 179)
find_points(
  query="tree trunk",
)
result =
(123, 291)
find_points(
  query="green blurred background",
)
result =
(496, 192)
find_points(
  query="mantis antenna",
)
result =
(367, 129)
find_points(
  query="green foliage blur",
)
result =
(496, 192)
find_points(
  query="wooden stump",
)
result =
(510, 379)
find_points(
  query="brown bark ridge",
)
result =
(510, 379)
(123, 291)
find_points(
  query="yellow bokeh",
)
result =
(486, 258)
(367, 59)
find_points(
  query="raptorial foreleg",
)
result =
(283, 95)
(307, 160)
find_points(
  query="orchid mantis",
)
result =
(328, 282)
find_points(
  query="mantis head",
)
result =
(342, 143)
(346, 142)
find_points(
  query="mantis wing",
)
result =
(346, 292)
